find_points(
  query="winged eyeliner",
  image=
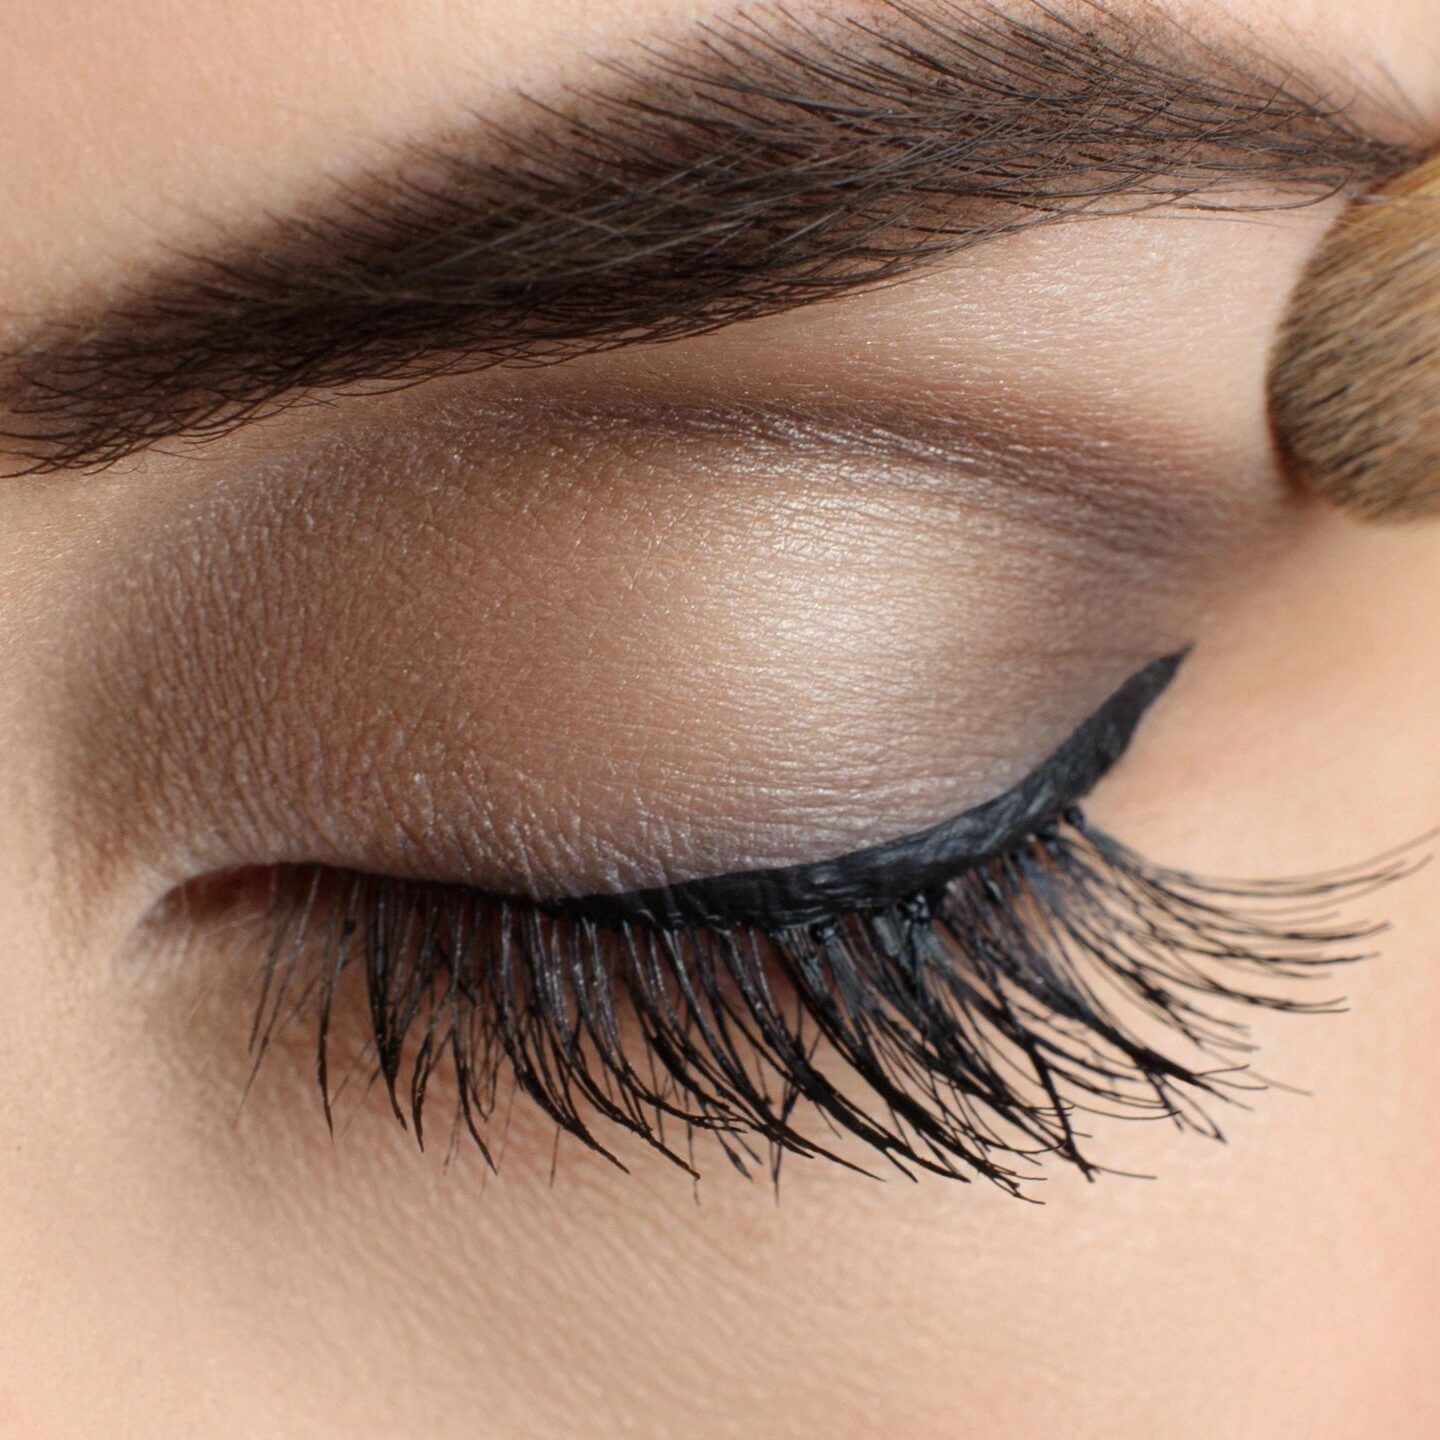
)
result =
(882, 875)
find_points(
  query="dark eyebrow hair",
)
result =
(759, 164)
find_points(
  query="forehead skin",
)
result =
(174, 1272)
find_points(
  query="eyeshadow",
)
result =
(882, 875)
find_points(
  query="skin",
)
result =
(195, 679)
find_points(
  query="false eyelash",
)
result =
(965, 1031)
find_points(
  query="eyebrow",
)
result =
(753, 166)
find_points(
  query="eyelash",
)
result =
(977, 1024)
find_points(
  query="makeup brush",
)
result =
(1355, 373)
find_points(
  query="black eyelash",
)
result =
(967, 1030)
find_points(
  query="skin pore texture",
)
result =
(751, 599)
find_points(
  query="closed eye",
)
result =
(956, 1002)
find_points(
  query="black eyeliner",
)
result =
(882, 875)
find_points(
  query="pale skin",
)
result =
(177, 1265)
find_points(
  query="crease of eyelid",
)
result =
(1085, 475)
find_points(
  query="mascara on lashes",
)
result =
(883, 875)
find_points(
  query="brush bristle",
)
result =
(1355, 376)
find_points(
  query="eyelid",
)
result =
(883, 875)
